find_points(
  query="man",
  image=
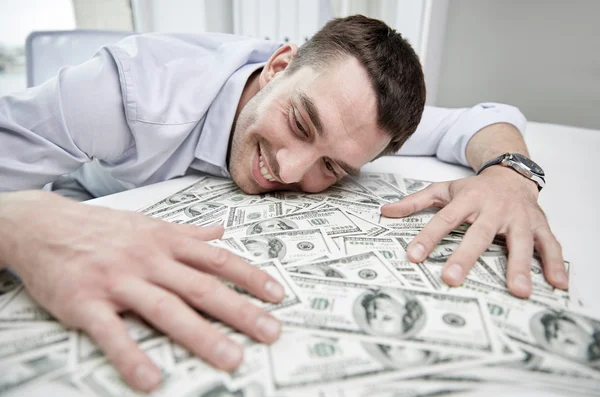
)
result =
(272, 117)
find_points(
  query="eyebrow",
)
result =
(313, 114)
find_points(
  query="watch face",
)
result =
(536, 169)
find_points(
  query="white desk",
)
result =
(568, 156)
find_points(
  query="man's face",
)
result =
(568, 339)
(385, 316)
(309, 128)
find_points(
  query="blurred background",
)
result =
(540, 55)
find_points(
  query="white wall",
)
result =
(542, 56)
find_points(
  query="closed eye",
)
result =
(299, 125)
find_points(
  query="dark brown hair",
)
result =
(390, 61)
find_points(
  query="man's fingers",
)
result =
(199, 232)
(447, 219)
(552, 259)
(434, 195)
(520, 252)
(211, 296)
(477, 239)
(175, 318)
(105, 326)
(222, 263)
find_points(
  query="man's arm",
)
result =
(498, 201)
(52, 129)
(445, 133)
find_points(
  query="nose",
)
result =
(294, 163)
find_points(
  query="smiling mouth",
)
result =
(263, 169)
(262, 172)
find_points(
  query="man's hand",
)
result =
(498, 201)
(86, 264)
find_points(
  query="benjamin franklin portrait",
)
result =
(198, 209)
(264, 247)
(180, 197)
(568, 335)
(220, 390)
(320, 270)
(390, 313)
(400, 357)
(271, 225)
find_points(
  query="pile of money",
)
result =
(359, 318)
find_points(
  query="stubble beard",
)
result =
(243, 144)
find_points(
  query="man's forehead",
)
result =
(346, 103)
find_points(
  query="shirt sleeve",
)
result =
(54, 128)
(445, 133)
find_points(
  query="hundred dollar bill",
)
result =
(366, 267)
(395, 180)
(183, 196)
(275, 270)
(9, 286)
(288, 246)
(22, 310)
(415, 185)
(357, 197)
(104, 380)
(17, 344)
(34, 369)
(321, 359)
(351, 185)
(369, 212)
(383, 189)
(254, 212)
(401, 388)
(496, 257)
(367, 226)
(418, 220)
(388, 315)
(190, 212)
(334, 221)
(572, 335)
(391, 250)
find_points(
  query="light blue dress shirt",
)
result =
(154, 107)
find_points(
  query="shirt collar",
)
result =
(214, 140)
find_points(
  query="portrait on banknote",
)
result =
(180, 198)
(321, 270)
(568, 335)
(220, 390)
(265, 247)
(400, 357)
(198, 209)
(271, 225)
(388, 313)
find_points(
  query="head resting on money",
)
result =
(271, 225)
(568, 335)
(388, 313)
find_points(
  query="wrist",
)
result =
(512, 177)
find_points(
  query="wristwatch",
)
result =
(523, 165)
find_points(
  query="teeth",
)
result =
(264, 171)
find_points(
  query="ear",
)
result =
(277, 63)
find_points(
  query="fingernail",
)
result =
(147, 377)
(267, 327)
(521, 282)
(228, 353)
(561, 277)
(274, 290)
(455, 272)
(417, 251)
